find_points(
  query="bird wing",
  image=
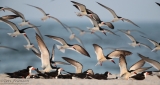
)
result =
(27, 39)
(59, 22)
(8, 48)
(130, 22)
(99, 52)
(154, 63)
(157, 3)
(146, 46)
(109, 9)
(80, 7)
(117, 53)
(79, 40)
(130, 37)
(8, 17)
(11, 24)
(36, 29)
(58, 39)
(61, 63)
(137, 65)
(122, 65)
(152, 41)
(80, 49)
(78, 66)
(37, 8)
(52, 55)
(44, 52)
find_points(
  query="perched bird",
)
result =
(116, 18)
(21, 73)
(65, 45)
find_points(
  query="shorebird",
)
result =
(82, 32)
(98, 28)
(45, 17)
(45, 56)
(136, 68)
(8, 17)
(100, 56)
(24, 21)
(140, 76)
(65, 45)
(81, 8)
(21, 73)
(156, 44)
(78, 67)
(15, 28)
(73, 36)
(99, 21)
(52, 61)
(152, 62)
(116, 18)
(134, 42)
(129, 31)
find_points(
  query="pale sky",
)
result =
(136, 10)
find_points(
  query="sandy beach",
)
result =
(150, 80)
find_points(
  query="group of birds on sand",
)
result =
(49, 66)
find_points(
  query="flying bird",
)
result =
(117, 18)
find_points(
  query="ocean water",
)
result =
(16, 60)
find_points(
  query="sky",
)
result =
(136, 10)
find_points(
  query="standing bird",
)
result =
(65, 45)
(117, 18)
(21, 73)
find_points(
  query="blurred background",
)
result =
(144, 13)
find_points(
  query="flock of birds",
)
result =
(49, 66)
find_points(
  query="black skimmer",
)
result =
(24, 21)
(140, 76)
(21, 73)
(64, 46)
(54, 74)
(82, 32)
(125, 73)
(134, 42)
(114, 54)
(45, 17)
(156, 44)
(129, 31)
(8, 17)
(100, 56)
(98, 28)
(154, 63)
(100, 23)
(78, 67)
(15, 28)
(81, 8)
(45, 56)
(116, 18)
